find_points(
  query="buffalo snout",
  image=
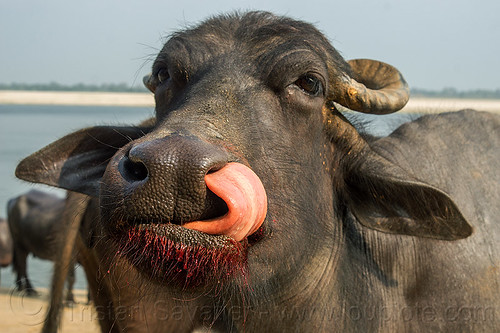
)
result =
(162, 180)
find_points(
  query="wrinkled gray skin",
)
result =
(389, 235)
(36, 226)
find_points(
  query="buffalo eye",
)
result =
(163, 75)
(310, 84)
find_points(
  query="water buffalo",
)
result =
(36, 226)
(253, 205)
(5, 244)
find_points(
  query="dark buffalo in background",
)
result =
(36, 224)
(5, 244)
(251, 204)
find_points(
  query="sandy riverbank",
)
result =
(416, 104)
(437, 105)
(23, 314)
(75, 98)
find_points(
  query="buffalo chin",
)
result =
(174, 255)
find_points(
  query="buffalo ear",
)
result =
(77, 161)
(384, 197)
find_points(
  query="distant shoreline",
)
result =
(19, 97)
(415, 105)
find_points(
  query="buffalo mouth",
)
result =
(198, 252)
(172, 254)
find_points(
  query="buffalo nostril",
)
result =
(133, 171)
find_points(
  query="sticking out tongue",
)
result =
(246, 200)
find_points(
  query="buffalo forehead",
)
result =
(257, 47)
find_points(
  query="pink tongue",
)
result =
(245, 198)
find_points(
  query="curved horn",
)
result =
(375, 87)
(148, 82)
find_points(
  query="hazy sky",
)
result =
(435, 43)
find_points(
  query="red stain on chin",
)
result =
(183, 260)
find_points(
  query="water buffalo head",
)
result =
(248, 169)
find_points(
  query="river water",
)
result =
(26, 128)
